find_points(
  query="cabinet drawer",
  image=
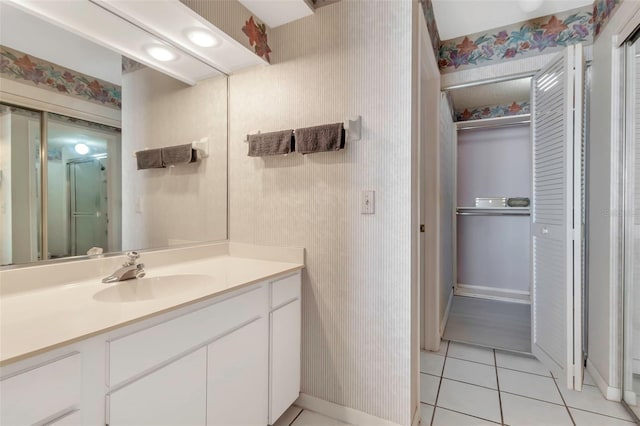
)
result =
(133, 354)
(40, 393)
(285, 289)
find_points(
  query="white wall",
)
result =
(356, 338)
(5, 186)
(494, 251)
(446, 192)
(187, 202)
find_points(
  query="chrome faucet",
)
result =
(130, 269)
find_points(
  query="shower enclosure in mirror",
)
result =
(81, 176)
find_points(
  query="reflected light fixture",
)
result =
(160, 53)
(530, 5)
(202, 37)
(81, 148)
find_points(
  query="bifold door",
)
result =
(557, 94)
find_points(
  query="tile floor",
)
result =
(464, 385)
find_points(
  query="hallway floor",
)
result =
(465, 385)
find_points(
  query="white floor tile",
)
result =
(431, 363)
(287, 417)
(429, 388)
(584, 418)
(451, 418)
(470, 399)
(470, 372)
(309, 418)
(529, 385)
(426, 412)
(521, 363)
(590, 399)
(471, 353)
(444, 344)
(520, 411)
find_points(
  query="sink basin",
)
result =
(151, 288)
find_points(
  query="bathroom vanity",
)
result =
(212, 336)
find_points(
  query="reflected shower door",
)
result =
(88, 204)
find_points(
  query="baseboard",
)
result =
(417, 417)
(342, 413)
(505, 295)
(445, 318)
(611, 393)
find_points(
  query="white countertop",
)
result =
(44, 318)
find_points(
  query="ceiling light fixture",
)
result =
(529, 6)
(160, 53)
(81, 148)
(202, 37)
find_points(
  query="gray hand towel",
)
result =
(179, 154)
(149, 159)
(274, 143)
(329, 137)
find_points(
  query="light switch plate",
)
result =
(368, 202)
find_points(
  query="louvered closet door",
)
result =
(556, 216)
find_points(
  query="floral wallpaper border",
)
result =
(529, 38)
(602, 11)
(258, 38)
(27, 69)
(494, 111)
(432, 26)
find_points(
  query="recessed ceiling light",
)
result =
(202, 37)
(160, 53)
(81, 148)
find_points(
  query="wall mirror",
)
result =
(72, 115)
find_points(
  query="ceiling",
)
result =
(278, 12)
(29, 34)
(503, 93)
(456, 18)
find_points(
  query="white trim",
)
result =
(495, 121)
(609, 392)
(23, 95)
(417, 417)
(616, 218)
(445, 317)
(342, 413)
(493, 293)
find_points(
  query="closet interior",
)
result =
(491, 303)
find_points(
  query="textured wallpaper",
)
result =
(187, 202)
(350, 58)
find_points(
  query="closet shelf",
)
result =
(493, 211)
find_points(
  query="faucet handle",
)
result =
(132, 257)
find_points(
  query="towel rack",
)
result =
(352, 126)
(202, 146)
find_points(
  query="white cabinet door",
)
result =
(285, 358)
(556, 217)
(237, 377)
(173, 395)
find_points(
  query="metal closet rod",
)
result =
(493, 213)
(486, 126)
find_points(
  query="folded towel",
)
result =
(149, 159)
(518, 202)
(179, 154)
(329, 137)
(274, 143)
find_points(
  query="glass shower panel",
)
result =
(83, 187)
(20, 198)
